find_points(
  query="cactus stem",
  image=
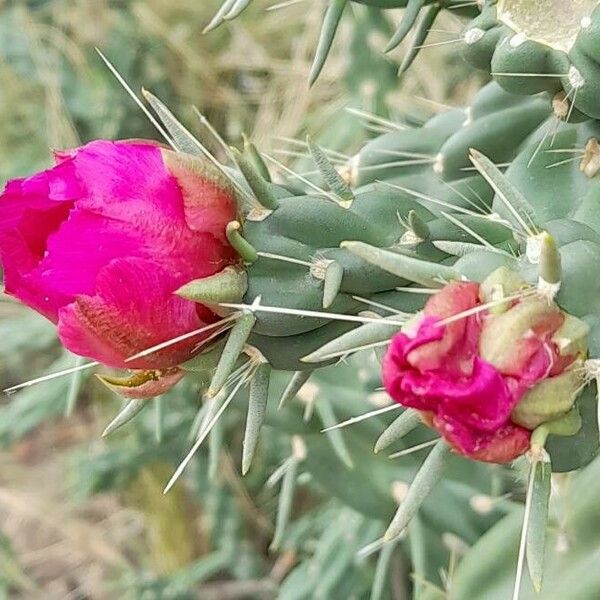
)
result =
(428, 475)
(127, 413)
(206, 430)
(405, 423)
(414, 449)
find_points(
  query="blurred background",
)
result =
(84, 517)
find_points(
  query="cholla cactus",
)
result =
(474, 279)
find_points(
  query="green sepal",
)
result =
(229, 285)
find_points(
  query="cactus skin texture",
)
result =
(530, 47)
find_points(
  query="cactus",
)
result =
(316, 261)
(342, 262)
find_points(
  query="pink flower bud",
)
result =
(469, 373)
(99, 243)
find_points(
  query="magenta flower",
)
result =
(99, 243)
(467, 375)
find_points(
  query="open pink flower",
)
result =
(99, 243)
(467, 374)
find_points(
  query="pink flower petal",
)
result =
(500, 446)
(134, 308)
(455, 348)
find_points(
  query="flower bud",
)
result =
(99, 243)
(486, 375)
